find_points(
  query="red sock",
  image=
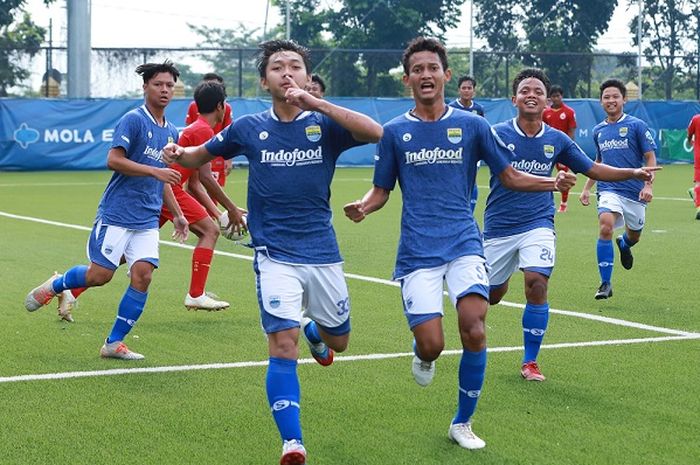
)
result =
(77, 291)
(564, 196)
(201, 261)
(697, 195)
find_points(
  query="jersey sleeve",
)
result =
(385, 166)
(127, 131)
(228, 143)
(644, 138)
(493, 150)
(692, 127)
(192, 114)
(573, 157)
(596, 133)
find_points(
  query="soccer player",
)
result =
(519, 226)
(560, 116)
(432, 150)
(623, 141)
(220, 168)
(292, 150)
(467, 89)
(694, 138)
(127, 216)
(316, 87)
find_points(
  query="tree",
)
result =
(556, 35)
(19, 38)
(666, 26)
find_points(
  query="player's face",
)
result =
(426, 77)
(531, 97)
(612, 101)
(466, 90)
(282, 67)
(159, 90)
(314, 88)
(556, 100)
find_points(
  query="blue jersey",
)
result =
(134, 202)
(289, 178)
(473, 108)
(622, 144)
(510, 212)
(435, 164)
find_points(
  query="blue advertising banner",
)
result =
(76, 134)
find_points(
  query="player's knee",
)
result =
(606, 231)
(338, 344)
(430, 348)
(473, 333)
(286, 348)
(536, 291)
(98, 276)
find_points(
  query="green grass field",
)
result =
(623, 374)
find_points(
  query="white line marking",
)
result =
(305, 361)
(586, 316)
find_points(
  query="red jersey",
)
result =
(193, 135)
(694, 130)
(563, 118)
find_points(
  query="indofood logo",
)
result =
(436, 155)
(25, 135)
(296, 157)
(612, 144)
(532, 166)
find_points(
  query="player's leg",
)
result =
(326, 321)
(564, 195)
(634, 215)
(696, 188)
(609, 218)
(468, 286)
(502, 259)
(422, 294)
(280, 295)
(141, 255)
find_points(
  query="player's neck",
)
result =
(210, 118)
(531, 126)
(158, 113)
(429, 111)
(465, 103)
(614, 118)
(557, 107)
(284, 111)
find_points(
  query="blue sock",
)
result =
(71, 279)
(283, 394)
(535, 318)
(606, 256)
(130, 309)
(626, 242)
(472, 368)
(311, 332)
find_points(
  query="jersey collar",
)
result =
(522, 133)
(298, 117)
(624, 115)
(411, 117)
(153, 120)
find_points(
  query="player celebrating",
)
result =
(519, 226)
(694, 138)
(432, 150)
(292, 150)
(127, 217)
(563, 117)
(623, 141)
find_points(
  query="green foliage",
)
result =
(18, 38)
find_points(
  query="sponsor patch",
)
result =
(407, 137)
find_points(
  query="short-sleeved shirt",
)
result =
(193, 135)
(622, 144)
(563, 118)
(291, 166)
(473, 108)
(511, 212)
(134, 202)
(435, 163)
(694, 130)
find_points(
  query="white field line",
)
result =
(305, 361)
(587, 316)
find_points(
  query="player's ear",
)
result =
(512, 99)
(448, 74)
(264, 85)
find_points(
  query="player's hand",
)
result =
(355, 211)
(646, 173)
(167, 175)
(585, 197)
(299, 97)
(182, 229)
(564, 181)
(237, 224)
(171, 152)
(646, 195)
(228, 166)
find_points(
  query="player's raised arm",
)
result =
(189, 157)
(373, 200)
(519, 181)
(118, 161)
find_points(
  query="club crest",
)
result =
(313, 133)
(623, 131)
(454, 135)
(548, 151)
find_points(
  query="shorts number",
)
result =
(546, 255)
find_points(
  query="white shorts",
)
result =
(629, 212)
(533, 250)
(286, 291)
(107, 244)
(422, 290)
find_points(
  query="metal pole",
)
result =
(49, 65)
(78, 48)
(288, 29)
(639, 47)
(471, 38)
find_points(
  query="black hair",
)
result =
(466, 77)
(531, 73)
(208, 95)
(213, 77)
(148, 70)
(269, 48)
(613, 83)
(318, 80)
(556, 89)
(424, 44)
